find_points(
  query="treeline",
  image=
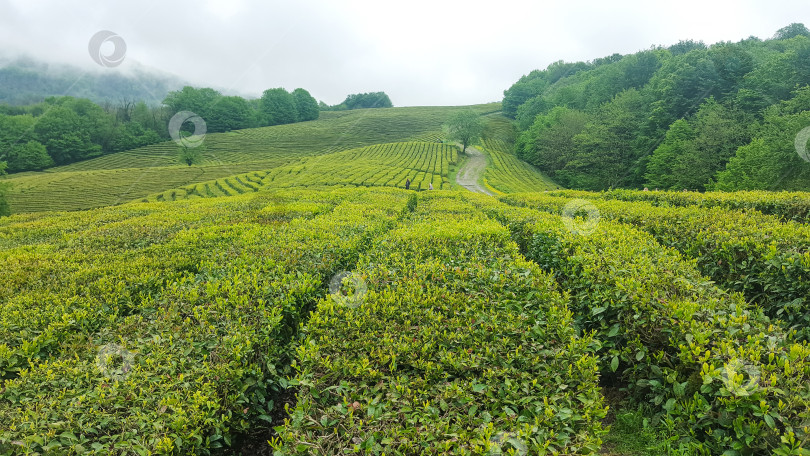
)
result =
(225, 113)
(360, 101)
(64, 130)
(689, 116)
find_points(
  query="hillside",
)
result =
(135, 174)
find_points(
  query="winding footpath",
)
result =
(469, 174)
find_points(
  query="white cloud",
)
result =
(420, 52)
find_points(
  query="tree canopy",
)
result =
(361, 101)
(465, 127)
(723, 116)
(63, 130)
(278, 107)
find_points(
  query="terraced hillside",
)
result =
(379, 320)
(387, 165)
(125, 176)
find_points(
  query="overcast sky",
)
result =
(420, 52)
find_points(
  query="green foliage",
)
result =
(771, 160)
(686, 46)
(505, 173)
(61, 131)
(608, 156)
(465, 127)
(792, 30)
(306, 105)
(73, 129)
(718, 371)
(230, 113)
(483, 326)
(29, 156)
(278, 107)
(469, 332)
(206, 329)
(786, 206)
(758, 255)
(190, 155)
(366, 100)
(549, 142)
(580, 127)
(132, 135)
(671, 162)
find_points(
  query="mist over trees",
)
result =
(689, 116)
(25, 81)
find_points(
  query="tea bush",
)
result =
(460, 346)
(726, 380)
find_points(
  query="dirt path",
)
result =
(469, 175)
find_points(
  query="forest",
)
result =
(63, 130)
(688, 116)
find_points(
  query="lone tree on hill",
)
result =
(465, 127)
(190, 155)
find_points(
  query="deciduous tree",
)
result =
(465, 127)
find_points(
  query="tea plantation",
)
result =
(287, 296)
(327, 320)
(126, 176)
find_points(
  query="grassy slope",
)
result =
(125, 176)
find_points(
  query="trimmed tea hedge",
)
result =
(460, 347)
(767, 260)
(726, 380)
(788, 206)
(180, 364)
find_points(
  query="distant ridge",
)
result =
(25, 80)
